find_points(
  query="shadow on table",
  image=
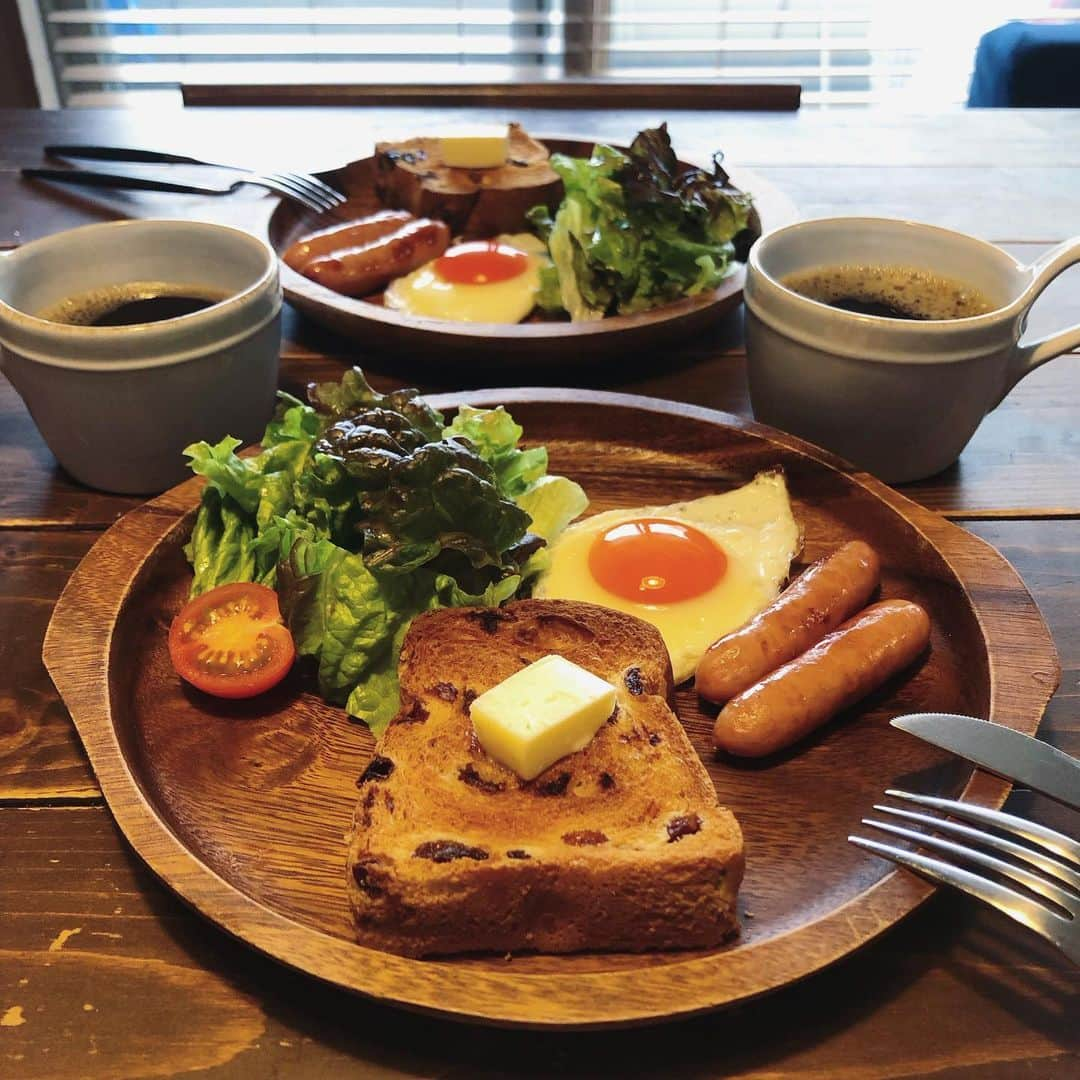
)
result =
(845, 1018)
(435, 373)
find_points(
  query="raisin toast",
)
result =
(411, 175)
(620, 846)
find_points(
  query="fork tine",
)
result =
(1029, 830)
(323, 188)
(1024, 877)
(295, 183)
(299, 191)
(1024, 910)
(998, 843)
(288, 193)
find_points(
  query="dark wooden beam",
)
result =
(17, 87)
(566, 94)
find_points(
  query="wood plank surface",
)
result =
(40, 754)
(955, 991)
(85, 931)
(1024, 461)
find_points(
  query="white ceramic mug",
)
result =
(118, 404)
(898, 397)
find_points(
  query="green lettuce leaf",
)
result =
(239, 478)
(221, 547)
(552, 502)
(353, 394)
(376, 699)
(633, 231)
(494, 435)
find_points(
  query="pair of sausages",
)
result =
(816, 650)
(364, 256)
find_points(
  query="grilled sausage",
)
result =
(842, 668)
(361, 270)
(813, 605)
(339, 237)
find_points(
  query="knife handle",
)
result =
(87, 178)
(119, 153)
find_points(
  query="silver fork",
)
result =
(119, 182)
(1055, 855)
(309, 190)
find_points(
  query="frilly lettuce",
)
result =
(363, 510)
(633, 232)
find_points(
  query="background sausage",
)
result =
(362, 270)
(339, 237)
(813, 605)
(838, 671)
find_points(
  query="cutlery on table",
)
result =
(308, 191)
(1044, 862)
(298, 181)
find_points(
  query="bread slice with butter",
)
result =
(620, 846)
(476, 202)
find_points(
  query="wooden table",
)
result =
(104, 973)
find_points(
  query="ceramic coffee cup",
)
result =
(118, 404)
(898, 397)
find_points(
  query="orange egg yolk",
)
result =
(656, 561)
(481, 263)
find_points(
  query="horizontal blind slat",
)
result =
(359, 44)
(267, 45)
(275, 71)
(330, 16)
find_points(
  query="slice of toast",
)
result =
(411, 176)
(620, 846)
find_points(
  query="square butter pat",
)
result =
(476, 148)
(540, 714)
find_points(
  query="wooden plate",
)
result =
(242, 808)
(495, 343)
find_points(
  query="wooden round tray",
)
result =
(478, 344)
(242, 808)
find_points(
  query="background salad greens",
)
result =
(633, 232)
(365, 509)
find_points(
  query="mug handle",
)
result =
(1031, 355)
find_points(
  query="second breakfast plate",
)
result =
(546, 343)
(242, 808)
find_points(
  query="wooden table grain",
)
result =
(103, 973)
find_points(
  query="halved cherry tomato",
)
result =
(231, 642)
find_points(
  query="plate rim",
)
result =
(94, 599)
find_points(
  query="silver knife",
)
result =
(1001, 750)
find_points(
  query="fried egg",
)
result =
(492, 281)
(696, 570)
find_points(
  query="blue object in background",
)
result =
(1027, 65)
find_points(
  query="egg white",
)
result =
(753, 526)
(424, 293)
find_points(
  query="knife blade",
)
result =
(117, 181)
(1008, 753)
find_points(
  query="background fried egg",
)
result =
(424, 292)
(696, 570)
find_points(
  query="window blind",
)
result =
(842, 52)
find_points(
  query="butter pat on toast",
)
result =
(620, 846)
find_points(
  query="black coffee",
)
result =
(891, 292)
(132, 304)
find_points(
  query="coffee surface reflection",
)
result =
(892, 292)
(132, 304)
